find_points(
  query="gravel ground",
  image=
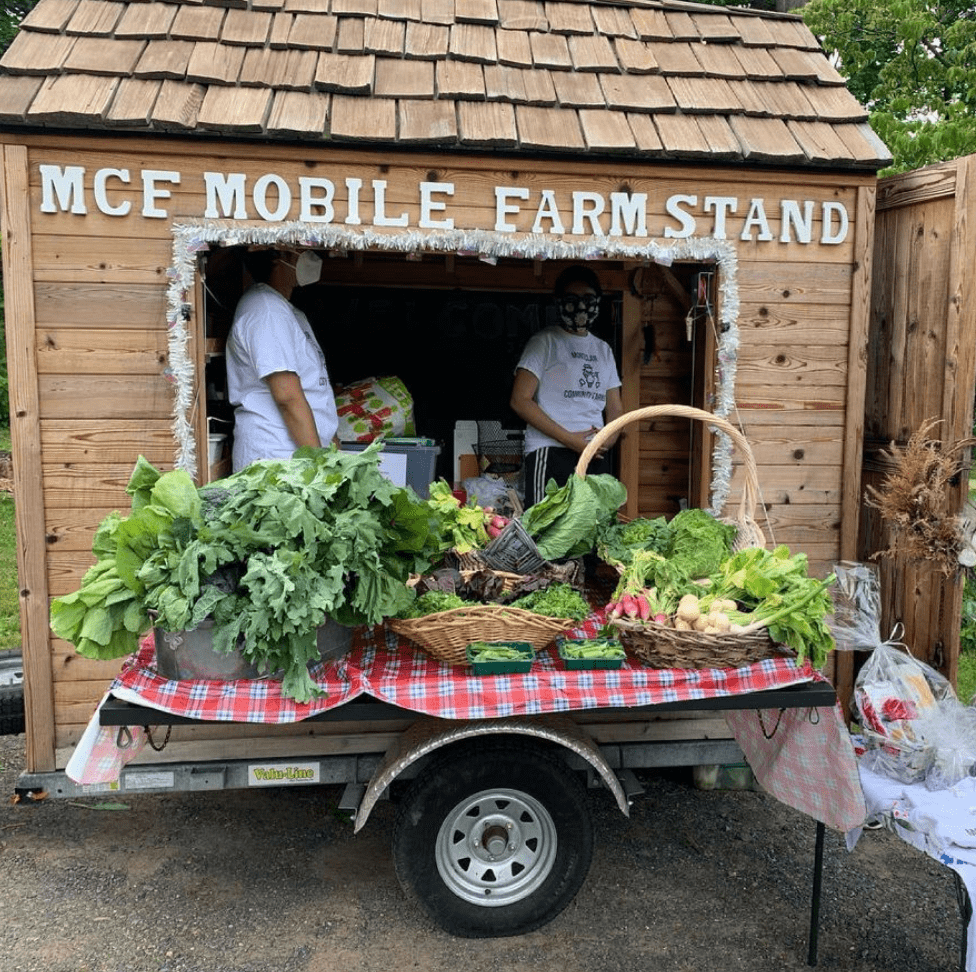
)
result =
(273, 880)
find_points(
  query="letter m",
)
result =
(63, 190)
(228, 191)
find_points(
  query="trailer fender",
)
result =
(428, 735)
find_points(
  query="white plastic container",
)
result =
(215, 444)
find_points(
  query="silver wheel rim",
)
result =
(496, 847)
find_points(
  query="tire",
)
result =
(494, 839)
(11, 710)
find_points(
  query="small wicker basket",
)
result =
(658, 645)
(446, 635)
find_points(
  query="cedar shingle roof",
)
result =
(662, 80)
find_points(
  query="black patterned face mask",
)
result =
(578, 312)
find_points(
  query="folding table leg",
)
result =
(815, 905)
(966, 914)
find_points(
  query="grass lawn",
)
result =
(966, 680)
(9, 606)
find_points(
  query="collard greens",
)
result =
(568, 519)
(268, 552)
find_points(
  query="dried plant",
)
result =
(915, 499)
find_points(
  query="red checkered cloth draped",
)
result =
(396, 672)
(802, 756)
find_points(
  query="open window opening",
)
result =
(451, 328)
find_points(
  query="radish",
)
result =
(643, 607)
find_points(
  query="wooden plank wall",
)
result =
(921, 366)
(94, 322)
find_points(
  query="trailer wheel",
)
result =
(493, 839)
(11, 710)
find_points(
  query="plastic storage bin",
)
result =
(421, 461)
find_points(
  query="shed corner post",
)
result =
(853, 449)
(20, 324)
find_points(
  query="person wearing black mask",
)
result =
(566, 386)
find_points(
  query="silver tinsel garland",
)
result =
(189, 239)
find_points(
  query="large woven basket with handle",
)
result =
(661, 646)
(750, 533)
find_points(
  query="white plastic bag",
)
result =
(913, 725)
(855, 621)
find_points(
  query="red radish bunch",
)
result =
(640, 605)
(494, 522)
(634, 606)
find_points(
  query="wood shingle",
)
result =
(650, 78)
(50, 17)
(569, 18)
(247, 27)
(178, 105)
(197, 23)
(133, 102)
(317, 32)
(592, 53)
(426, 41)
(95, 18)
(427, 122)
(345, 74)
(164, 59)
(487, 124)
(16, 97)
(299, 113)
(397, 78)
(351, 116)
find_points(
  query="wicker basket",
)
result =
(750, 533)
(662, 647)
(447, 634)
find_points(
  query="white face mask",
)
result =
(308, 269)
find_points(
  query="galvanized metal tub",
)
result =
(189, 655)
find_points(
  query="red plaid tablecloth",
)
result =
(807, 762)
(381, 666)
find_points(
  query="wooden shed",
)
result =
(450, 157)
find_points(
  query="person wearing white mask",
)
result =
(566, 387)
(277, 379)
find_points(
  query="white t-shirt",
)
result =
(575, 372)
(270, 334)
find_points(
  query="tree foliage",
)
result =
(912, 64)
(12, 12)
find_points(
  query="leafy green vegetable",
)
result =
(558, 600)
(462, 526)
(432, 602)
(617, 542)
(699, 542)
(568, 519)
(649, 569)
(268, 552)
(774, 586)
